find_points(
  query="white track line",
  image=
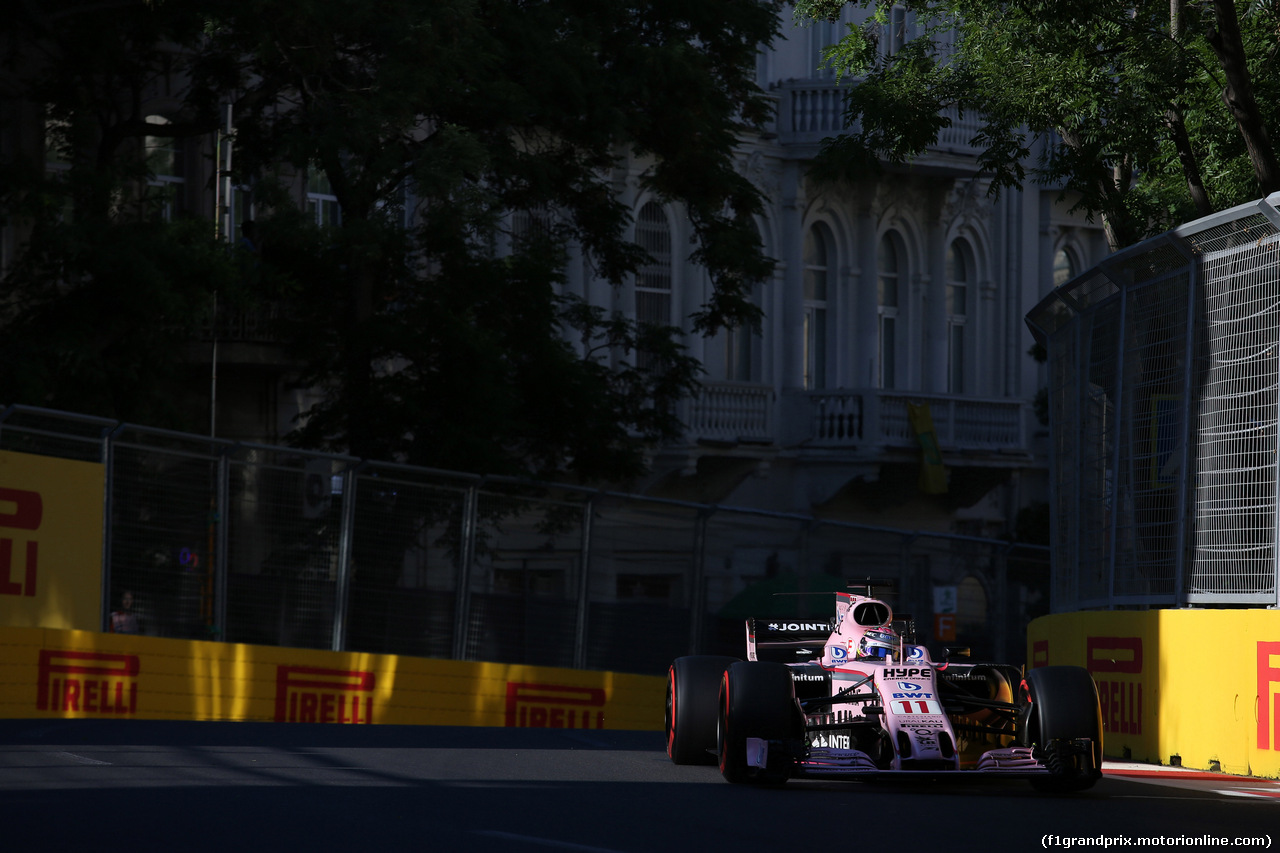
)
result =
(81, 759)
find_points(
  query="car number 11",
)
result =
(916, 706)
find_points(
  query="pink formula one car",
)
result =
(854, 698)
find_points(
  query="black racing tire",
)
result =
(1060, 707)
(693, 688)
(757, 700)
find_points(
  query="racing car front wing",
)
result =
(836, 763)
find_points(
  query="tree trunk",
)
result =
(1187, 157)
(1178, 126)
(1111, 183)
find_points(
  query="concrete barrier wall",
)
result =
(49, 673)
(1199, 687)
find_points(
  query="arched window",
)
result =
(742, 346)
(959, 293)
(888, 283)
(530, 224)
(1064, 267)
(824, 34)
(817, 264)
(58, 153)
(896, 31)
(57, 143)
(653, 280)
(240, 207)
(164, 162)
(971, 608)
(322, 204)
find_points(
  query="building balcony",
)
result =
(256, 325)
(731, 413)
(809, 111)
(866, 421)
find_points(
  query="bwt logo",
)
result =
(1268, 705)
(1121, 701)
(92, 682)
(308, 694)
(25, 509)
(554, 706)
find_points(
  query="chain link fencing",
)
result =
(1163, 377)
(225, 541)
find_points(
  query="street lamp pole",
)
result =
(223, 228)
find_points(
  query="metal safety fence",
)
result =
(1164, 362)
(245, 543)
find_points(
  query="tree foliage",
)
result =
(1149, 113)
(476, 150)
(100, 297)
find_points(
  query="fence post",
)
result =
(697, 596)
(1119, 410)
(1081, 369)
(1002, 600)
(462, 603)
(1185, 502)
(346, 536)
(222, 509)
(584, 588)
(905, 586)
(109, 462)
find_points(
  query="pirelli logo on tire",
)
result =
(554, 706)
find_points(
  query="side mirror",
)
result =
(949, 652)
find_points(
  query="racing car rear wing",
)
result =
(786, 641)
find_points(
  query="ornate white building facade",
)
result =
(906, 289)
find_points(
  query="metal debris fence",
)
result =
(1163, 374)
(244, 543)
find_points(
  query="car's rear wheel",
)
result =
(1062, 721)
(758, 700)
(693, 686)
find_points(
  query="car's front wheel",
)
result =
(1061, 721)
(758, 701)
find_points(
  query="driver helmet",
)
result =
(876, 644)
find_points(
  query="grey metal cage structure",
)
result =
(236, 542)
(1163, 370)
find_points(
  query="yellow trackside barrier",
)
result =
(1202, 685)
(47, 673)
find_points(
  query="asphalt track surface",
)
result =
(97, 785)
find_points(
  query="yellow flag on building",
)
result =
(933, 475)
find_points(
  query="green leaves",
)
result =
(446, 337)
(462, 351)
(1107, 88)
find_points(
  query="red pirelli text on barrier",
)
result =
(88, 682)
(308, 694)
(1268, 702)
(20, 509)
(554, 706)
(1120, 698)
